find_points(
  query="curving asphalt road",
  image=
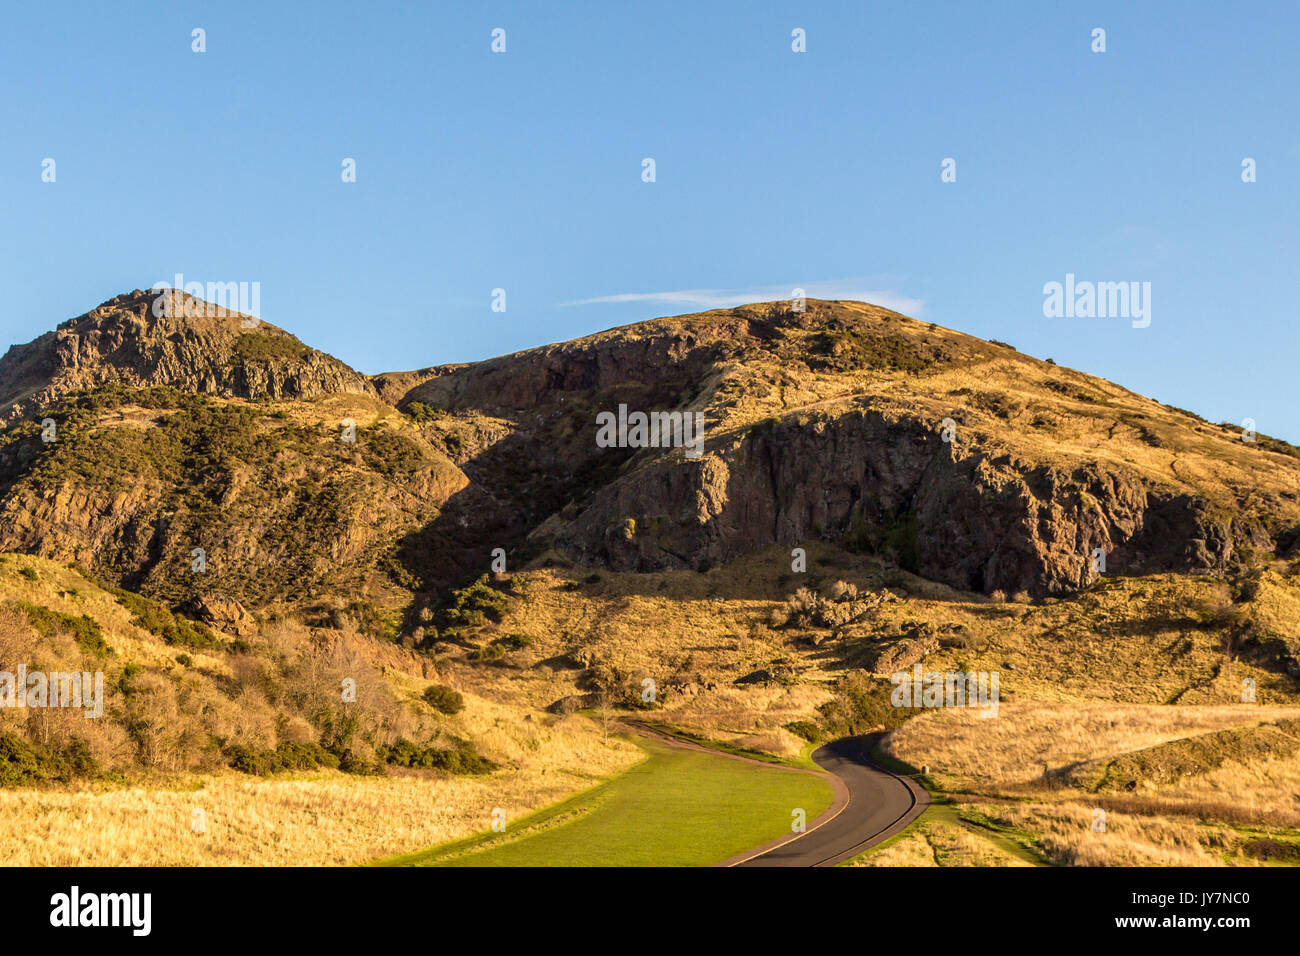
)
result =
(872, 805)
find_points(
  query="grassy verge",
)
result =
(676, 808)
(953, 835)
(803, 760)
(890, 762)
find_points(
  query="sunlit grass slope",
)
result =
(677, 808)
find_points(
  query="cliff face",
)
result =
(961, 460)
(975, 520)
(279, 513)
(829, 424)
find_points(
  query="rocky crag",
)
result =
(300, 479)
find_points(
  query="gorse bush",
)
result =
(24, 764)
(83, 629)
(861, 704)
(126, 681)
(444, 699)
(424, 413)
(161, 622)
(390, 453)
(847, 349)
(499, 647)
(286, 756)
(461, 759)
(372, 621)
(474, 606)
(805, 729)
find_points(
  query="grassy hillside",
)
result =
(258, 733)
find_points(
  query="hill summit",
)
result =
(168, 338)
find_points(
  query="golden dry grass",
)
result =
(941, 839)
(312, 819)
(1240, 791)
(674, 628)
(1065, 833)
(1198, 820)
(1130, 640)
(966, 751)
(911, 849)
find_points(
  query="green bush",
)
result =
(805, 729)
(372, 621)
(161, 622)
(444, 699)
(847, 349)
(500, 646)
(390, 453)
(474, 606)
(861, 704)
(350, 762)
(19, 762)
(261, 347)
(461, 759)
(23, 764)
(901, 538)
(488, 652)
(126, 680)
(424, 413)
(247, 760)
(292, 756)
(286, 756)
(83, 629)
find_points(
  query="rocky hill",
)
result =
(140, 339)
(306, 484)
(830, 424)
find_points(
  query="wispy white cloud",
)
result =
(856, 289)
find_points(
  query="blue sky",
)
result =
(774, 170)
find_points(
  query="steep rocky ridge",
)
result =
(826, 424)
(829, 424)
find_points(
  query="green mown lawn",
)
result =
(677, 808)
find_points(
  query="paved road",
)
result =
(879, 804)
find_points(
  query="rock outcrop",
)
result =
(973, 519)
(168, 339)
